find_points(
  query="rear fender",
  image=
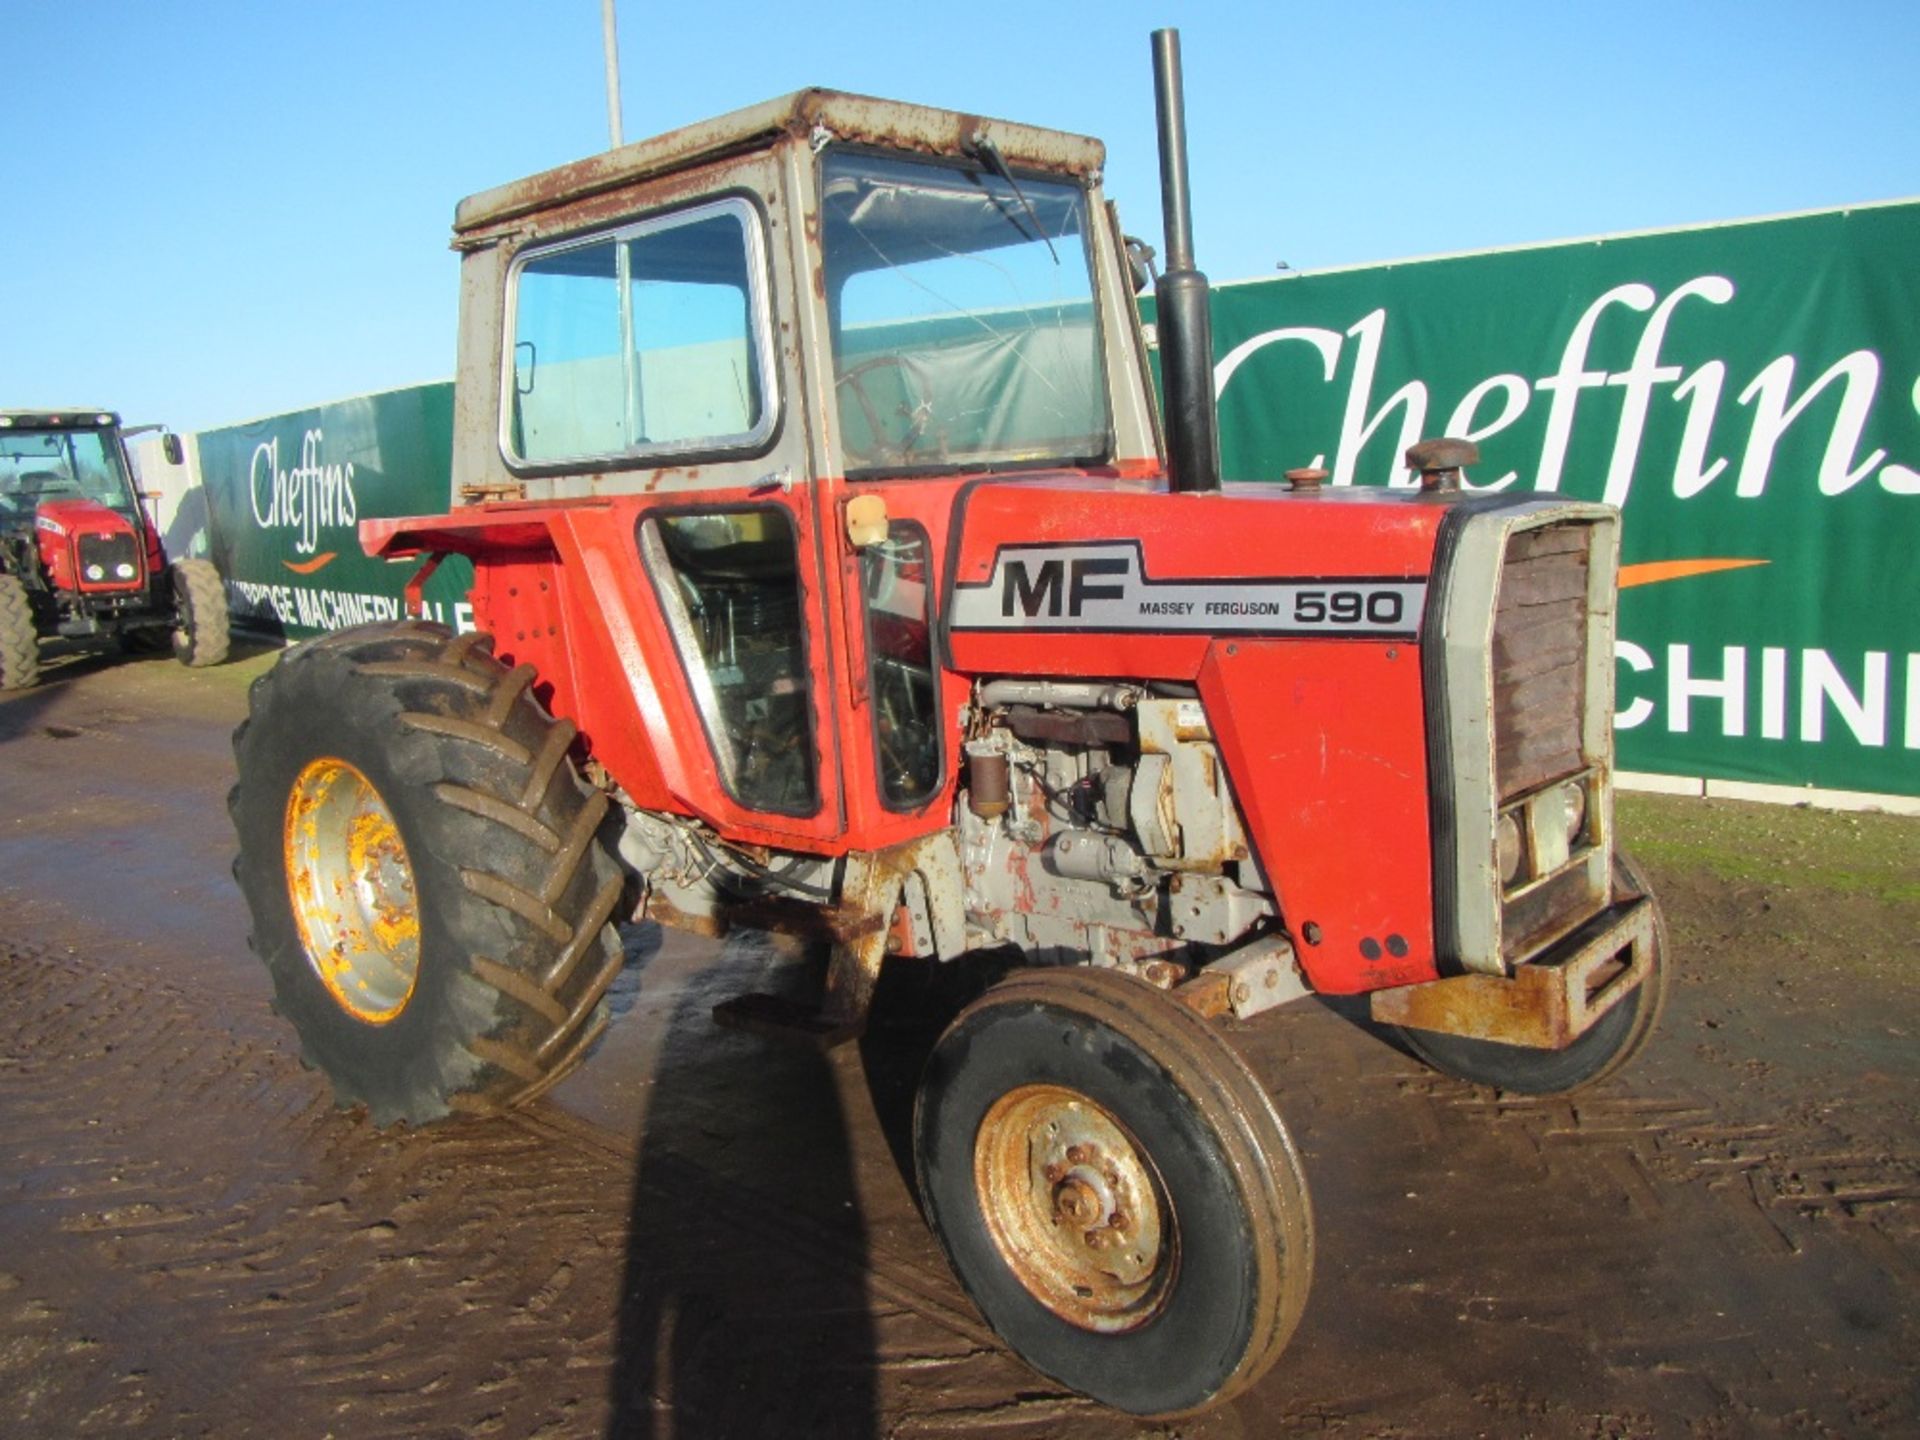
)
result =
(562, 587)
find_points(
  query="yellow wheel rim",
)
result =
(1074, 1208)
(351, 887)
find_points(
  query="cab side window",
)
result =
(895, 580)
(640, 342)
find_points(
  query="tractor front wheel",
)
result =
(429, 890)
(1115, 1190)
(200, 619)
(19, 641)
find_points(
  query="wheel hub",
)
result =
(351, 887)
(1074, 1208)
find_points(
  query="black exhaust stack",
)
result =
(1180, 297)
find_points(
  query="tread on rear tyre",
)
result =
(429, 891)
(1114, 1189)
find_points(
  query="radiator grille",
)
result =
(1539, 657)
(108, 552)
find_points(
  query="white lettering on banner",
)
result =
(1772, 415)
(1354, 431)
(1701, 390)
(1639, 377)
(1730, 690)
(1640, 709)
(1460, 425)
(251, 598)
(1773, 693)
(1768, 396)
(1326, 342)
(1913, 702)
(306, 499)
(1865, 714)
(316, 609)
(1566, 384)
(1825, 686)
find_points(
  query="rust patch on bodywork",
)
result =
(1547, 1003)
(792, 119)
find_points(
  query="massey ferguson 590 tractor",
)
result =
(833, 575)
(79, 557)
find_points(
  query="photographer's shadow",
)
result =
(744, 1309)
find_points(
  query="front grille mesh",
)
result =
(1539, 657)
(108, 551)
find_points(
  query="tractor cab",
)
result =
(69, 462)
(763, 356)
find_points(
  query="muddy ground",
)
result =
(707, 1233)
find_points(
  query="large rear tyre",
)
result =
(429, 890)
(200, 618)
(1114, 1189)
(1612, 1042)
(19, 641)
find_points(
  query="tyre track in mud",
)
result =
(1668, 1253)
(217, 1251)
(294, 1275)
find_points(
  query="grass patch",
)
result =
(1873, 855)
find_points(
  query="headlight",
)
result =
(1573, 801)
(96, 572)
(123, 571)
(1507, 838)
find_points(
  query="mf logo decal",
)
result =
(1104, 586)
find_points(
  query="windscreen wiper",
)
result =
(981, 144)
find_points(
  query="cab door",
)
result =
(643, 370)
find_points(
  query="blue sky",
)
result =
(218, 210)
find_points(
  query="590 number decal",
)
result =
(1382, 608)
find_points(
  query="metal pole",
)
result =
(610, 40)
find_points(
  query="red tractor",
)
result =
(79, 557)
(833, 576)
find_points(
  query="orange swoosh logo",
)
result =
(1654, 571)
(320, 562)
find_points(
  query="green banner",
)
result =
(1748, 393)
(286, 495)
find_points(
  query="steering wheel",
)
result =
(916, 408)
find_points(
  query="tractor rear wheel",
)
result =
(19, 641)
(200, 619)
(1115, 1190)
(429, 890)
(1605, 1049)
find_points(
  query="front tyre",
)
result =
(430, 894)
(19, 640)
(1605, 1049)
(200, 618)
(1114, 1189)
